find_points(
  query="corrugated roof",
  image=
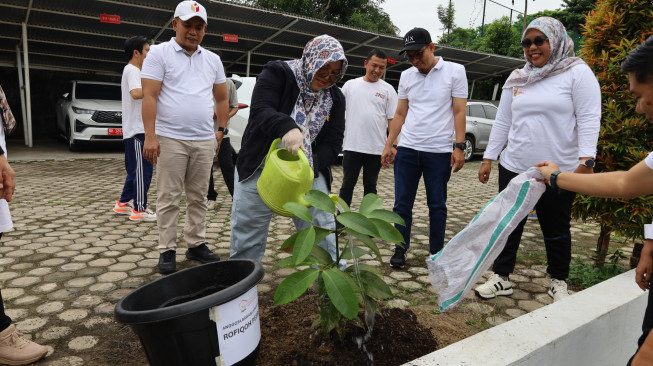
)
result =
(68, 35)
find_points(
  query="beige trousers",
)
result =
(182, 163)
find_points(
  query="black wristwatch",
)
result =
(552, 180)
(588, 163)
(460, 145)
(224, 130)
(394, 145)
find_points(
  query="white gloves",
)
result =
(293, 140)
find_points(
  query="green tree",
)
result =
(573, 14)
(501, 39)
(459, 37)
(612, 30)
(446, 17)
(365, 14)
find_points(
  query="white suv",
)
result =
(89, 111)
(480, 118)
(238, 122)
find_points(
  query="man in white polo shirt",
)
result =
(180, 80)
(371, 104)
(432, 102)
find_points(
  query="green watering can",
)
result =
(285, 178)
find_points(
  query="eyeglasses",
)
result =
(538, 41)
(417, 54)
(324, 73)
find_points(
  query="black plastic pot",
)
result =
(184, 318)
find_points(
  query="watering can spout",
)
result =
(285, 178)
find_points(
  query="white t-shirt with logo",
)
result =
(369, 107)
(557, 118)
(429, 124)
(132, 109)
(184, 110)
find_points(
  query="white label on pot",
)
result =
(239, 329)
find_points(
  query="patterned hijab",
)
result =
(313, 107)
(561, 59)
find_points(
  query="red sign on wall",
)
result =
(108, 18)
(230, 38)
(391, 61)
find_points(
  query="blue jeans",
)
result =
(250, 219)
(410, 165)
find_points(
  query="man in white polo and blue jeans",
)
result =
(432, 101)
(180, 79)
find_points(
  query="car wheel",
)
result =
(469, 148)
(72, 146)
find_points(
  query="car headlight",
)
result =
(83, 111)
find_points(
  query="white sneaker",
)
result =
(210, 205)
(122, 208)
(147, 215)
(493, 287)
(558, 290)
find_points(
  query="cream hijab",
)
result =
(561, 59)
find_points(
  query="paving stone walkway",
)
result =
(70, 258)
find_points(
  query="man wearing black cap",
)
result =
(432, 102)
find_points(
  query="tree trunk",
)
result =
(602, 246)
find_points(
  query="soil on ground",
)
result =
(289, 338)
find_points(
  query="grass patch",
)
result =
(586, 275)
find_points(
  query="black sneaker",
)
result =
(167, 262)
(202, 253)
(398, 260)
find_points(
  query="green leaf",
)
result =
(299, 210)
(370, 203)
(294, 285)
(303, 245)
(367, 241)
(364, 267)
(374, 286)
(285, 262)
(290, 241)
(388, 231)
(320, 200)
(320, 234)
(329, 315)
(358, 222)
(321, 256)
(341, 205)
(341, 292)
(386, 215)
(357, 252)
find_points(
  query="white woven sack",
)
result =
(455, 270)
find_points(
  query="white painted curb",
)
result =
(597, 326)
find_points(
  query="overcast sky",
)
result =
(407, 14)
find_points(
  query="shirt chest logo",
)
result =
(517, 91)
(379, 95)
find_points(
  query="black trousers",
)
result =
(352, 162)
(5, 321)
(554, 215)
(225, 159)
(647, 324)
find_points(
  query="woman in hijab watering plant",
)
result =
(549, 110)
(299, 102)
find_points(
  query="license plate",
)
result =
(115, 131)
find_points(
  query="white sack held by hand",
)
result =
(455, 270)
